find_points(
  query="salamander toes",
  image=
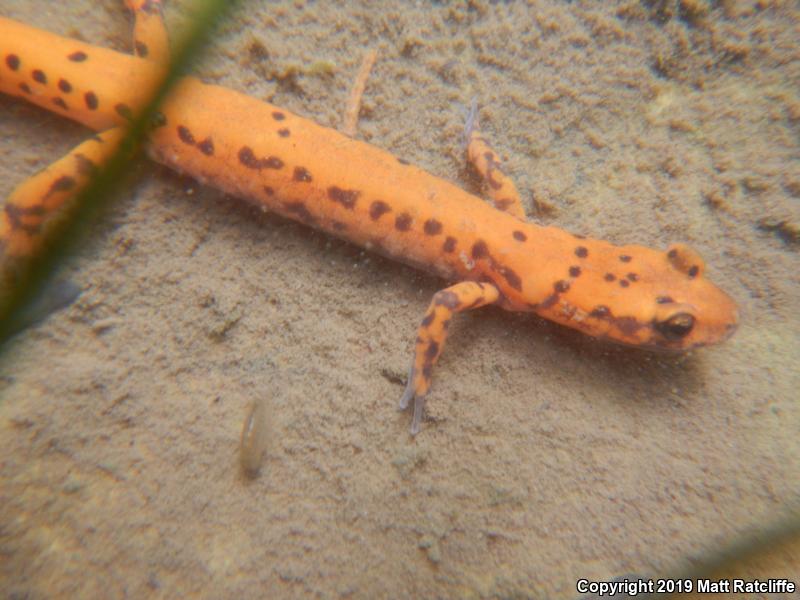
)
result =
(405, 399)
(416, 421)
(471, 122)
(419, 407)
(410, 395)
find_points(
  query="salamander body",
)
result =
(656, 299)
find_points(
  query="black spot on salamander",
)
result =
(78, 56)
(549, 301)
(124, 111)
(301, 174)
(625, 258)
(664, 300)
(149, 7)
(403, 222)
(511, 277)
(25, 88)
(632, 277)
(403, 161)
(300, 211)
(12, 62)
(493, 183)
(206, 146)
(428, 319)
(561, 286)
(249, 160)
(574, 271)
(432, 351)
(158, 120)
(377, 209)
(427, 371)
(432, 227)
(85, 166)
(447, 299)
(610, 277)
(520, 236)
(39, 76)
(278, 116)
(91, 100)
(693, 271)
(36, 210)
(600, 312)
(503, 203)
(141, 48)
(581, 252)
(59, 102)
(492, 165)
(65, 86)
(627, 325)
(449, 244)
(346, 198)
(624, 283)
(672, 254)
(185, 135)
(479, 250)
(63, 184)
(284, 132)
(15, 214)
(269, 191)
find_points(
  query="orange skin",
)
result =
(634, 295)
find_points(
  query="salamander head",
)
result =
(677, 308)
(638, 296)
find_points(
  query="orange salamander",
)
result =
(652, 299)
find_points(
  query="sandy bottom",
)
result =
(546, 456)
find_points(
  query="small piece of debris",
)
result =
(431, 547)
(788, 233)
(254, 438)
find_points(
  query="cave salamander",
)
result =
(490, 252)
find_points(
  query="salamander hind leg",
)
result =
(500, 187)
(150, 38)
(432, 335)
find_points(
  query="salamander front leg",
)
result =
(500, 187)
(432, 335)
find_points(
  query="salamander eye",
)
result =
(676, 327)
